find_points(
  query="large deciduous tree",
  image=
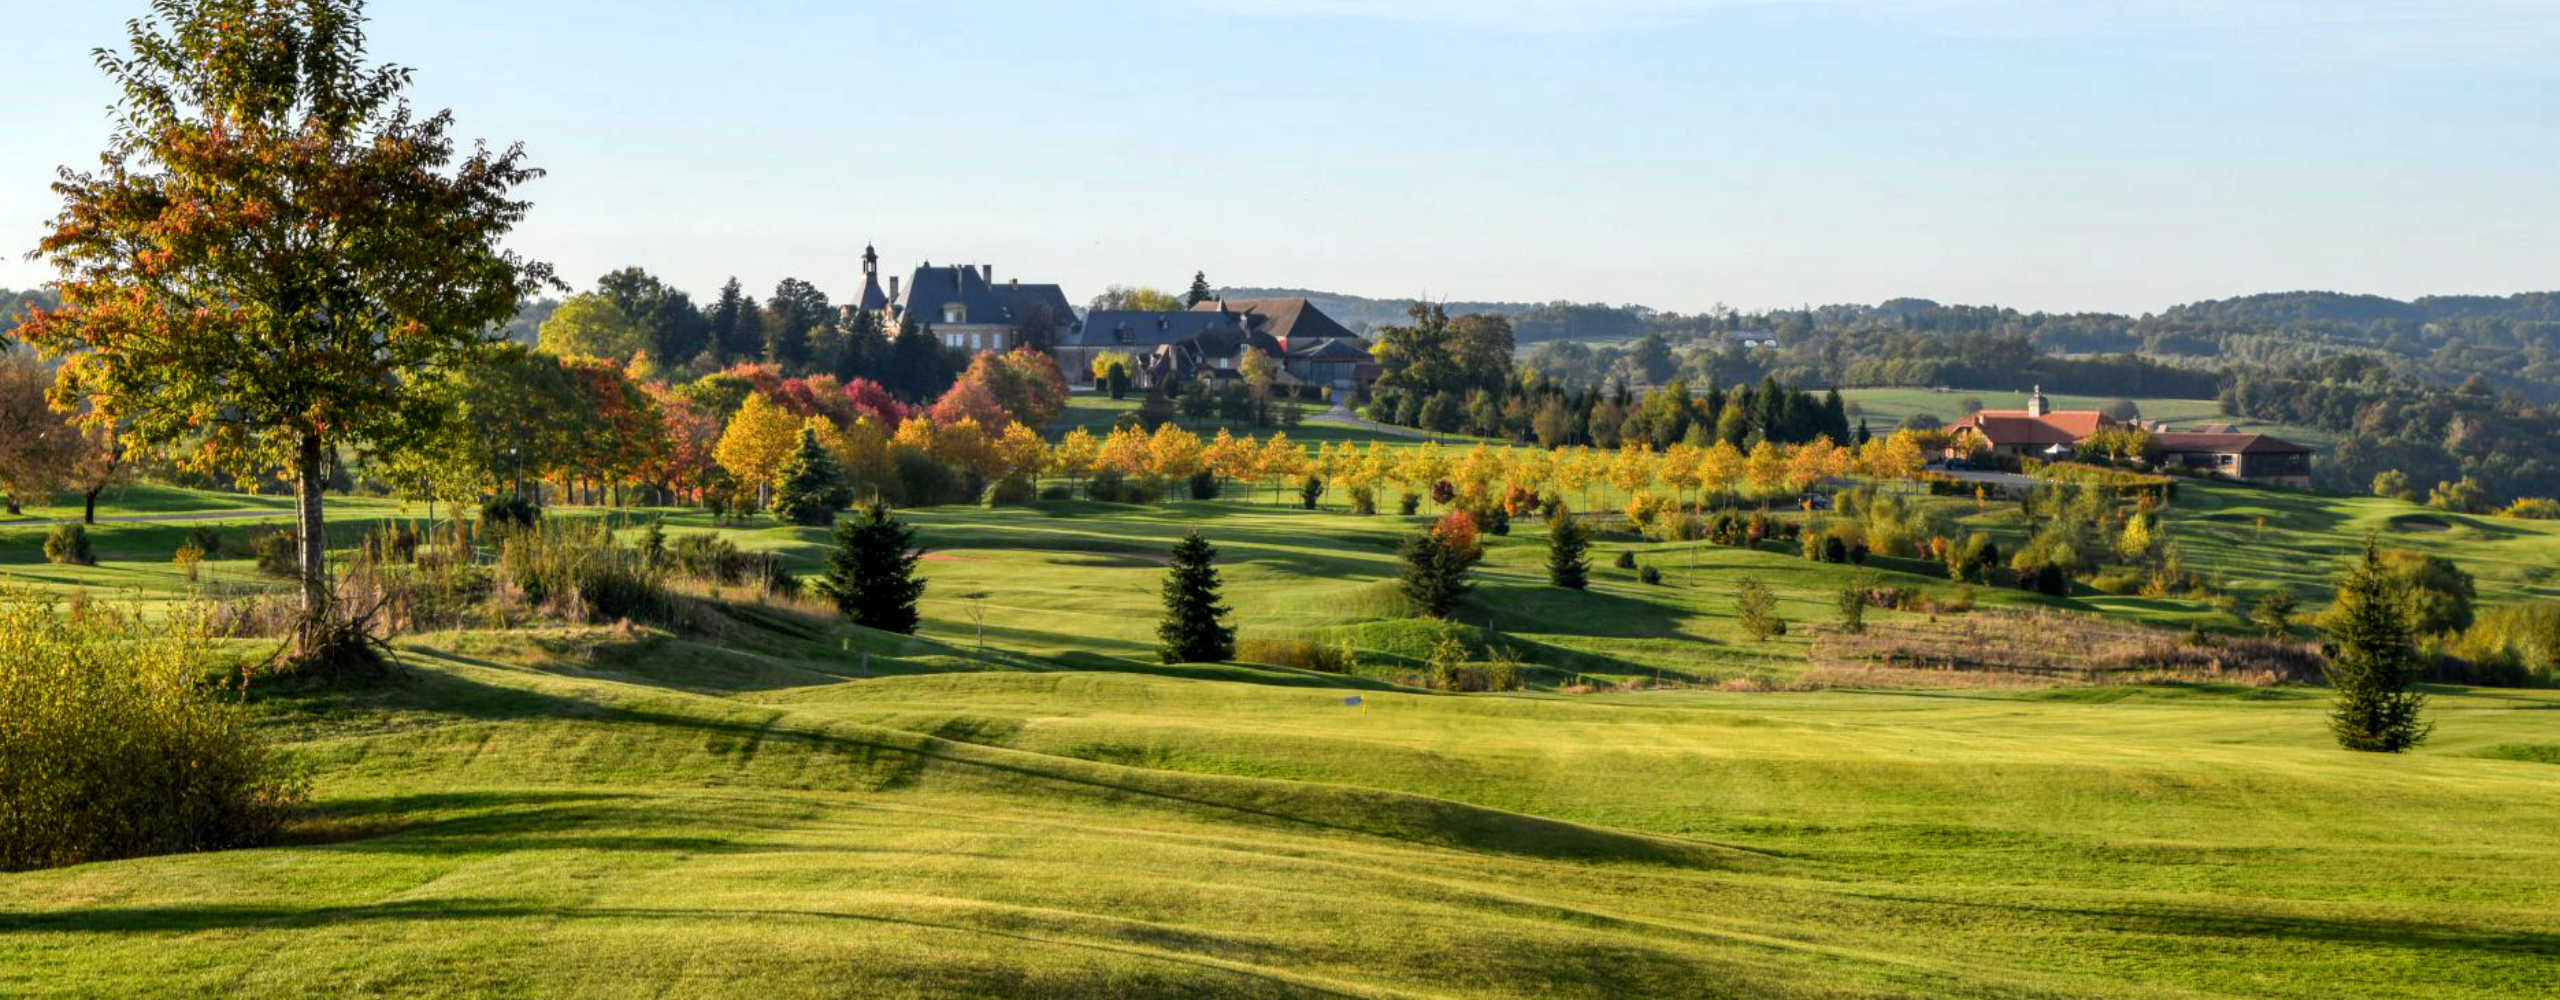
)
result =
(275, 251)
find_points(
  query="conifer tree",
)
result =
(1435, 573)
(1193, 629)
(872, 573)
(2373, 664)
(1199, 289)
(1568, 545)
(809, 488)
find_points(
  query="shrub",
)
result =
(1310, 491)
(1649, 575)
(2533, 508)
(1852, 601)
(397, 543)
(1056, 493)
(1626, 559)
(109, 750)
(1105, 487)
(187, 557)
(923, 482)
(578, 573)
(68, 545)
(1364, 500)
(2117, 581)
(1299, 651)
(274, 550)
(1757, 609)
(1010, 491)
(512, 510)
(1204, 485)
(1408, 503)
(207, 541)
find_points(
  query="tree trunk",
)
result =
(310, 540)
(89, 504)
(12, 501)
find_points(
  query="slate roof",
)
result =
(2221, 443)
(1022, 299)
(1145, 329)
(1331, 350)
(1290, 320)
(935, 287)
(873, 299)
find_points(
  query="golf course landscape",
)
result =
(1019, 800)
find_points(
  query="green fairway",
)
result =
(1020, 801)
(520, 822)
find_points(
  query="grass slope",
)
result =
(580, 814)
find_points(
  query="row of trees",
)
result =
(654, 330)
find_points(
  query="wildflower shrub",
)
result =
(108, 748)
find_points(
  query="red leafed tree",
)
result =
(274, 253)
(691, 431)
(626, 435)
(969, 400)
(867, 398)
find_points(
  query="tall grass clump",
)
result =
(578, 572)
(109, 748)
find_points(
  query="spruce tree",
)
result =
(1193, 629)
(872, 572)
(1435, 573)
(2373, 664)
(1568, 545)
(1199, 289)
(809, 488)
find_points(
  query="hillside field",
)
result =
(1019, 801)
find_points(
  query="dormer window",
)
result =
(955, 313)
(1124, 335)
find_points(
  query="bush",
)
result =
(1010, 491)
(1055, 493)
(2117, 581)
(1364, 500)
(1204, 485)
(1301, 652)
(512, 511)
(1105, 487)
(1649, 575)
(578, 573)
(398, 543)
(109, 750)
(1626, 559)
(1312, 490)
(1408, 504)
(923, 482)
(274, 550)
(207, 541)
(68, 545)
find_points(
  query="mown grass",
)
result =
(578, 813)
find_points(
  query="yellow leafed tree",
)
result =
(759, 438)
(1074, 454)
(1766, 469)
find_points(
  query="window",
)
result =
(951, 340)
(955, 313)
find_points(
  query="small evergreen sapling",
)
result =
(1568, 548)
(1758, 610)
(1194, 629)
(2373, 662)
(872, 572)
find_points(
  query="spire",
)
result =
(870, 261)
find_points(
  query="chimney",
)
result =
(1013, 282)
(2037, 405)
(987, 273)
(893, 288)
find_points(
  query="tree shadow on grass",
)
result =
(2196, 921)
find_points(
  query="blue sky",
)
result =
(1678, 153)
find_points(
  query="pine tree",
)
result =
(1568, 545)
(1193, 629)
(809, 488)
(1199, 289)
(1435, 573)
(2373, 664)
(872, 572)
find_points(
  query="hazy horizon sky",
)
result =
(1676, 153)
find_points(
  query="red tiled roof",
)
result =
(2015, 427)
(2220, 443)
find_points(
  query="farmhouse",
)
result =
(1210, 339)
(2039, 431)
